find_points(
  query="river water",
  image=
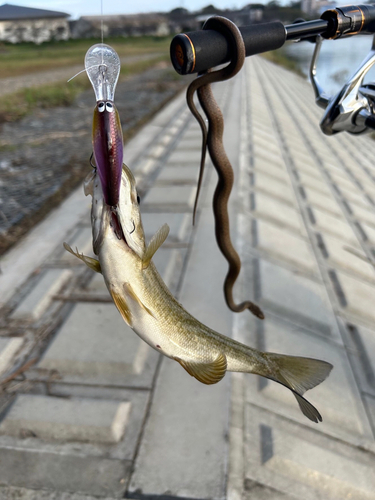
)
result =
(337, 61)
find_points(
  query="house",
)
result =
(25, 24)
(121, 25)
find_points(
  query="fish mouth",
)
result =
(116, 226)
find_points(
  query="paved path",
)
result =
(100, 415)
(14, 83)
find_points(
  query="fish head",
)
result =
(107, 143)
(128, 213)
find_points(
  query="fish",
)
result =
(149, 308)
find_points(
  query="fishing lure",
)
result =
(102, 65)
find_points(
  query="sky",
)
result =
(92, 7)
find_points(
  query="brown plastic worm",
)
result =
(213, 140)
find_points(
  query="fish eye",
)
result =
(109, 106)
(101, 106)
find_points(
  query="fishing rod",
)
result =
(198, 51)
(352, 109)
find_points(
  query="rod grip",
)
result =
(198, 51)
(349, 20)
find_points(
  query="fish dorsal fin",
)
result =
(93, 264)
(207, 373)
(129, 290)
(156, 242)
(122, 306)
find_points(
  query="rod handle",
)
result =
(198, 51)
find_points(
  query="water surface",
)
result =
(337, 62)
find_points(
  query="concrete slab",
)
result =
(270, 157)
(189, 143)
(276, 171)
(370, 403)
(314, 183)
(13, 493)
(296, 297)
(334, 226)
(324, 470)
(180, 225)
(360, 297)
(344, 182)
(9, 347)
(285, 245)
(39, 243)
(325, 202)
(175, 174)
(183, 157)
(303, 157)
(262, 428)
(81, 239)
(33, 306)
(279, 213)
(308, 170)
(363, 214)
(48, 470)
(338, 256)
(355, 196)
(66, 419)
(274, 187)
(369, 232)
(164, 198)
(263, 143)
(95, 346)
(362, 341)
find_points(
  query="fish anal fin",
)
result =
(129, 290)
(122, 306)
(90, 262)
(207, 373)
(156, 242)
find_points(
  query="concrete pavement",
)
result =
(100, 415)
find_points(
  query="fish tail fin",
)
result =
(299, 375)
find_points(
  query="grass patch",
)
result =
(140, 66)
(23, 102)
(280, 57)
(25, 58)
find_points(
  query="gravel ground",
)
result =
(46, 154)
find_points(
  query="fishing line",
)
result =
(102, 42)
(101, 24)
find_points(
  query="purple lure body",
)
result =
(107, 142)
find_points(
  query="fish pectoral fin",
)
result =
(129, 290)
(122, 307)
(90, 262)
(156, 242)
(207, 373)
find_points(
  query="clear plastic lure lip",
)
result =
(102, 65)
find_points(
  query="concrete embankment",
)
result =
(101, 415)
